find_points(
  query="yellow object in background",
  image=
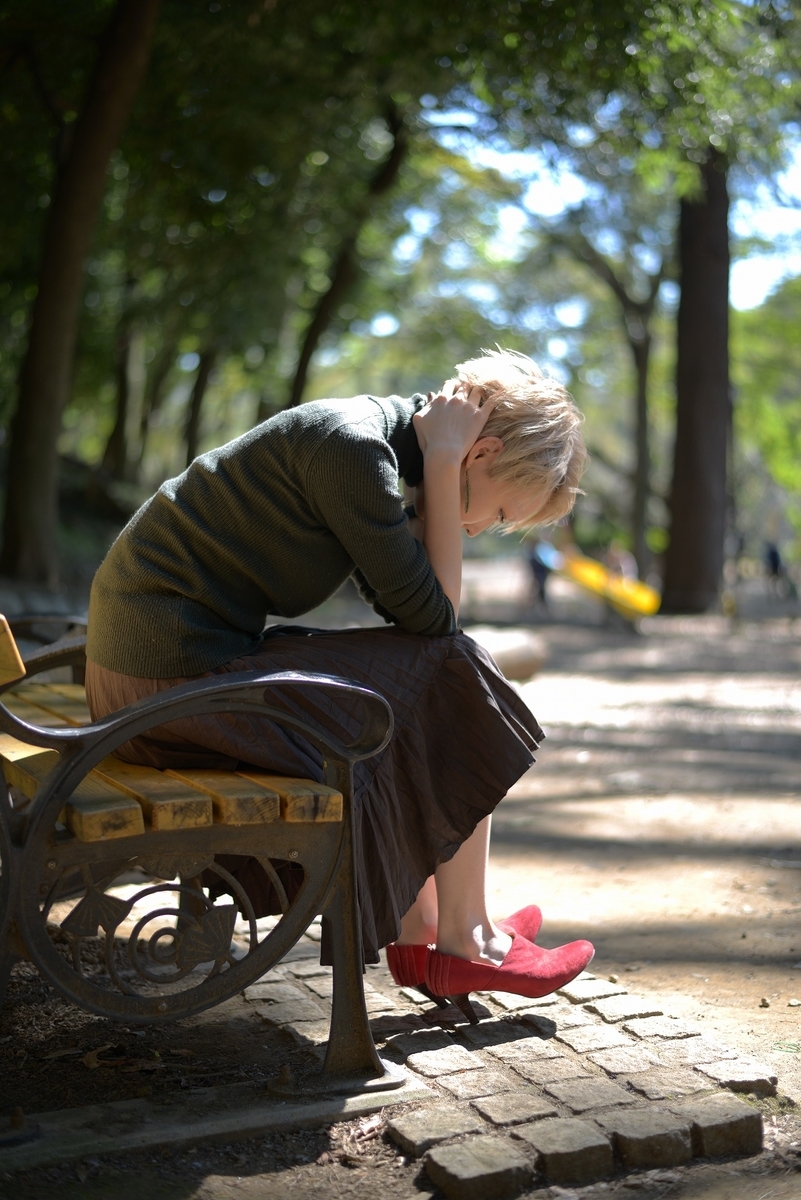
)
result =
(629, 597)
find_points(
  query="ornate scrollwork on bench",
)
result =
(122, 883)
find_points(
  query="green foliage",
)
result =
(766, 365)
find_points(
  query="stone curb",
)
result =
(230, 1113)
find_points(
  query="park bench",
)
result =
(76, 823)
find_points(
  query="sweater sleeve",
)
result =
(353, 485)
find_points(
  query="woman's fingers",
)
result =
(453, 420)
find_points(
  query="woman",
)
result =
(270, 525)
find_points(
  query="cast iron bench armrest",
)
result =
(71, 834)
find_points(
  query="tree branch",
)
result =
(345, 269)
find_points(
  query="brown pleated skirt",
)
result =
(462, 737)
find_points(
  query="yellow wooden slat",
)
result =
(166, 803)
(32, 714)
(71, 709)
(12, 750)
(236, 801)
(72, 691)
(11, 664)
(302, 800)
(95, 812)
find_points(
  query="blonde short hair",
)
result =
(539, 424)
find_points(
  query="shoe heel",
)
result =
(462, 1002)
(440, 1001)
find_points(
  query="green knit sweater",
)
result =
(268, 525)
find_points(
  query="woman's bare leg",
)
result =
(419, 926)
(463, 924)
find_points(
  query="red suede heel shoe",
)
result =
(527, 970)
(407, 965)
(407, 962)
(526, 921)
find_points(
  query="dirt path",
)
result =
(662, 820)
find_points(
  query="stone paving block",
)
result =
(418, 1042)
(625, 1060)
(416, 1132)
(416, 997)
(444, 1062)
(624, 1008)
(564, 1017)
(322, 986)
(470, 1085)
(694, 1050)
(386, 1025)
(588, 1038)
(511, 1003)
(308, 1033)
(549, 1070)
(524, 1052)
(291, 1011)
(668, 1083)
(515, 1108)
(662, 1027)
(581, 1095)
(273, 991)
(377, 1002)
(479, 1169)
(649, 1137)
(582, 990)
(495, 1032)
(569, 1151)
(722, 1126)
(741, 1075)
(307, 970)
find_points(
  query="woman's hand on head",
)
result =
(451, 421)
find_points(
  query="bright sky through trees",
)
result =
(770, 214)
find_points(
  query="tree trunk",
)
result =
(346, 268)
(115, 455)
(204, 370)
(698, 495)
(32, 494)
(154, 392)
(641, 352)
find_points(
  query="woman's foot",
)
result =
(526, 970)
(407, 959)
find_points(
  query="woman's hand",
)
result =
(451, 422)
(446, 429)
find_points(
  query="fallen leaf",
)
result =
(90, 1060)
(61, 1053)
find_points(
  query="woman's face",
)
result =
(487, 500)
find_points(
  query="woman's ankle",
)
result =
(484, 944)
(417, 934)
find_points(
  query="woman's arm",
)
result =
(446, 429)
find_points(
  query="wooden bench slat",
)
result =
(302, 800)
(11, 664)
(235, 800)
(71, 709)
(32, 714)
(111, 800)
(165, 802)
(94, 813)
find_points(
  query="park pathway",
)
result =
(661, 821)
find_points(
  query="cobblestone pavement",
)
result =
(662, 822)
(568, 1090)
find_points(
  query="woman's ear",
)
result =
(487, 448)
